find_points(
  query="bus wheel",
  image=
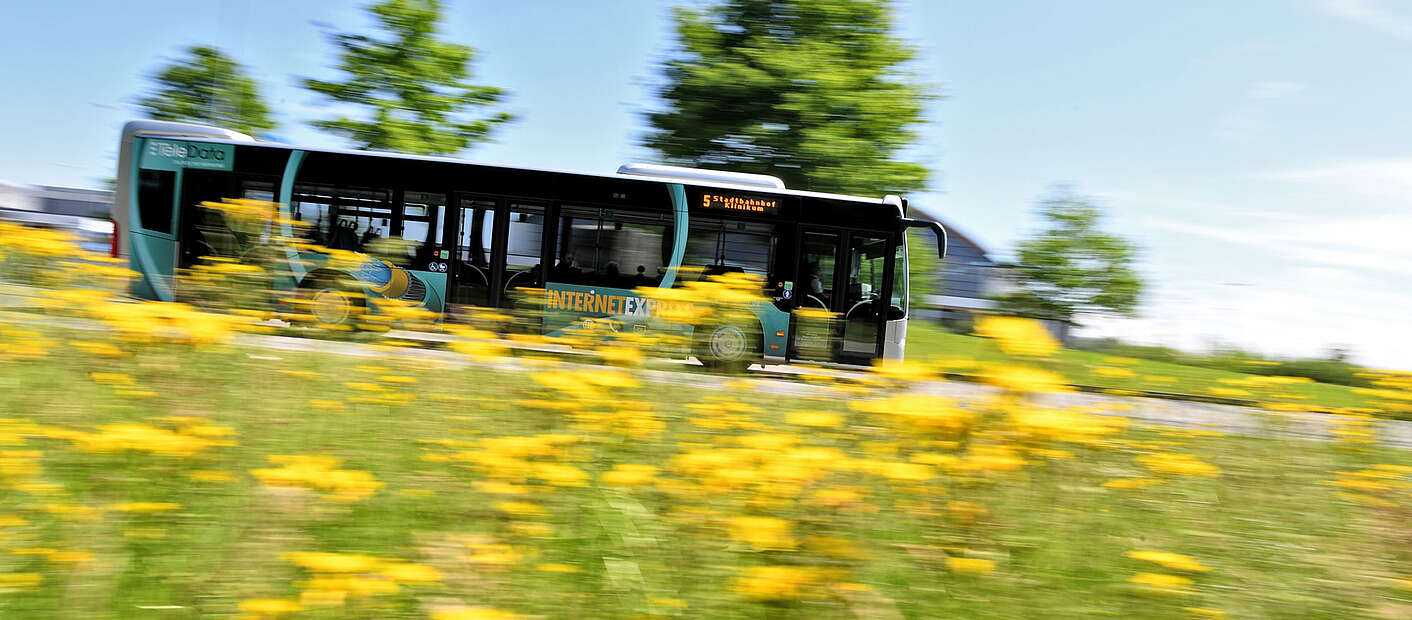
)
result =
(332, 301)
(728, 347)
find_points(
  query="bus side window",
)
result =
(522, 246)
(423, 217)
(630, 254)
(716, 247)
(154, 199)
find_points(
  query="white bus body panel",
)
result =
(895, 340)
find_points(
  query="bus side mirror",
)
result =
(936, 230)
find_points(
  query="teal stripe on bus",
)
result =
(286, 195)
(679, 220)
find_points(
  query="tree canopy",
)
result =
(1072, 267)
(811, 91)
(416, 88)
(206, 86)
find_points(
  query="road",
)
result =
(782, 380)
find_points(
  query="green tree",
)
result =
(208, 87)
(1071, 267)
(811, 91)
(415, 87)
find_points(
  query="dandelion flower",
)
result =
(974, 567)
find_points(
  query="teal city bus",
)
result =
(470, 234)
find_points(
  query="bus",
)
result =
(471, 234)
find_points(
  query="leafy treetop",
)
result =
(811, 91)
(415, 86)
(1072, 267)
(206, 86)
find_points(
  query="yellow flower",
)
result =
(332, 562)
(561, 475)
(113, 378)
(763, 533)
(1170, 561)
(1160, 580)
(521, 509)
(903, 371)
(1203, 612)
(20, 580)
(969, 566)
(1017, 336)
(628, 475)
(473, 613)
(1183, 464)
(557, 568)
(411, 573)
(1025, 379)
(319, 597)
(71, 557)
(775, 583)
(814, 418)
(210, 475)
(1131, 483)
(270, 606)
(906, 471)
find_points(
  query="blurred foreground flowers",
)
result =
(152, 457)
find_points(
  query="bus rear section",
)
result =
(172, 174)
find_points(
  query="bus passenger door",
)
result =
(863, 306)
(496, 250)
(470, 245)
(519, 240)
(838, 305)
(813, 322)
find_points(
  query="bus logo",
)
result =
(169, 155)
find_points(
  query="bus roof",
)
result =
(175, 130)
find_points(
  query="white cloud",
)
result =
(1387, 179)
(1371, 13)
(1302, 313)
(1371, 243)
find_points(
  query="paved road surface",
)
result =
(776, 380)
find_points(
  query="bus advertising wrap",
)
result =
(569, 306)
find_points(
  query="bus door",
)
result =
(495, 249)
(469, 270)
(863, 305)
(837, 296)
(812, 334)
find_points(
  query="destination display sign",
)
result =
(739, 203)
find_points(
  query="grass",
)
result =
(929, 342)
(499, 482)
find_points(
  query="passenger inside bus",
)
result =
(344, 236)
(565, 271)
(611, 276)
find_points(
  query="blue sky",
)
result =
(1257, 151)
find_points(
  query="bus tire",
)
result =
(728, 347)
(334, 298)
